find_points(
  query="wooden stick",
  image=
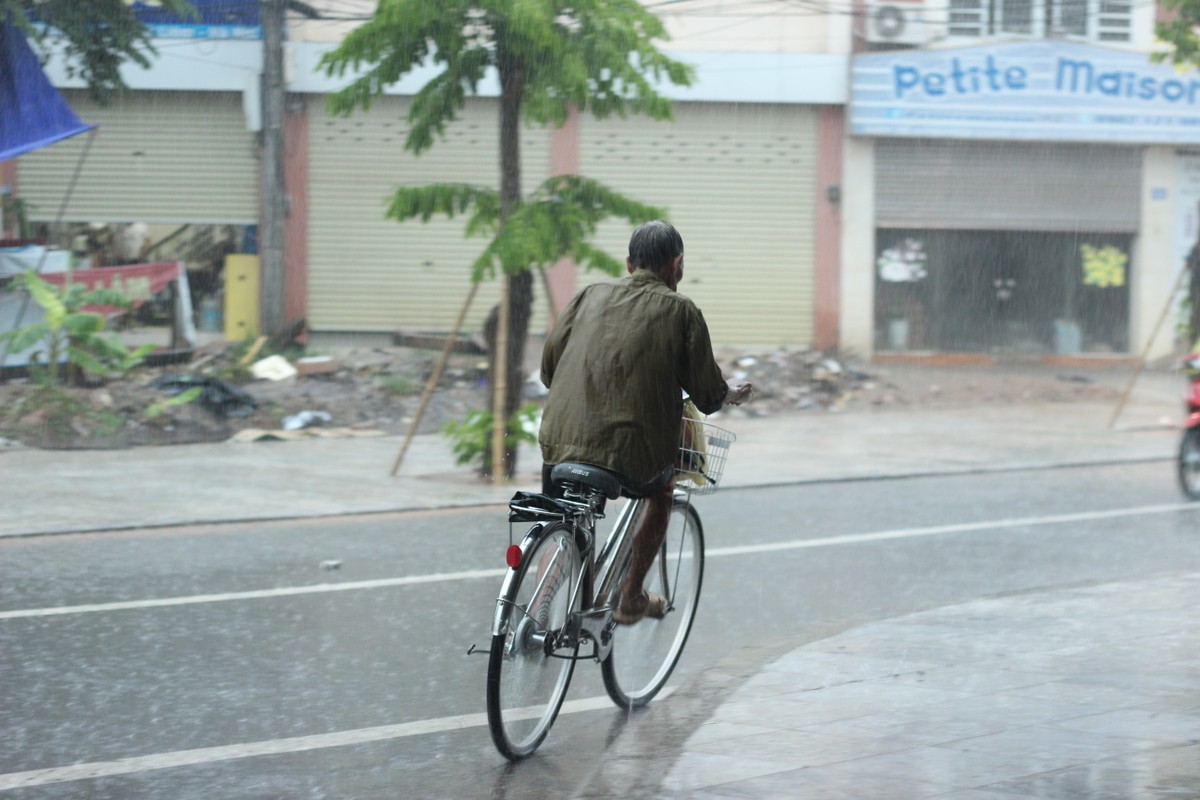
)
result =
(252, 352)
(500, 388)
(550, 304)
(432, 383)
(1141, 363)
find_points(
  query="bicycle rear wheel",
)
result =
(644, 654)
(532, 656)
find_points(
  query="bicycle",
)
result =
(559, 594)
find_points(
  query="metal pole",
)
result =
(1141, 362)
(273, 195)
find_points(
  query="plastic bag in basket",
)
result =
(693, 447)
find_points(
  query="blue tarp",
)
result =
(32, 112)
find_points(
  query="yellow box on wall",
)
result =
(241, 297)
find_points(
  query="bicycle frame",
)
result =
(601, 576)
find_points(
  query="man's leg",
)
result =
(648, 534)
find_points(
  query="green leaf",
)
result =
(105, 297)
(448, 199)
(83, 358)
(97, 36)
(46, 297)
(555, 223)
(83, 322)
(26, 336)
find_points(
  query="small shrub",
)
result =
(69, 334)
(159, 406)
(399, 386)
(470, 437)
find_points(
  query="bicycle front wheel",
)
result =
(533, 654)
(644, 654)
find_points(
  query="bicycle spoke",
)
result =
(644, 654)
(531, 661)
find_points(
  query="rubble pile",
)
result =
(797, 380)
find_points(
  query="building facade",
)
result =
(912, 181)
(1028, 197)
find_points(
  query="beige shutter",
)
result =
(170, 157)
(1006, 186)
(367, 273)
(739, 181)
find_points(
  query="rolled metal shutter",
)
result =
(739, 181)
(1006, 186)
(367, 273)
(168, 157)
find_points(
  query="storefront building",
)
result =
(1026, 199)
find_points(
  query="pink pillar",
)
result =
(827, 247)
(564, 160)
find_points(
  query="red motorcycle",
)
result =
(1189, 449)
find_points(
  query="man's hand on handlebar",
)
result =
(738, 393)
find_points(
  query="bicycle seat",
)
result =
(594, 477)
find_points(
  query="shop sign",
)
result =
(1047, 91)
(214, 19)
(138, 282)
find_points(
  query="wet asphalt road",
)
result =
(152, 679)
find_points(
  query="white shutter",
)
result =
(170, 157)
(739, 181)
(367, 273)
(1006, 186)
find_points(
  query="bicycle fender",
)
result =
(503, 607)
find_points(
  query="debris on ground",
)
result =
(305, 419)
(796, 380)
(377, 390)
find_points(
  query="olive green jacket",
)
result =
(615, 364)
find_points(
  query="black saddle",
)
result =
(594, 477)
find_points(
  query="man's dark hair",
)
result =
(654, 245)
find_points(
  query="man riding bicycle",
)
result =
(616, 364)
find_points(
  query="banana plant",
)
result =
(68, 334)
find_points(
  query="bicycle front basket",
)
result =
(702, 452)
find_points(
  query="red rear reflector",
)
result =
(513, 556)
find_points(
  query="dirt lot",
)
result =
(379, 389)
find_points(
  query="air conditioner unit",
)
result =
(899, 22)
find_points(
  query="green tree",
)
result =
(1181, 31)
(99, 35)
(598, 56)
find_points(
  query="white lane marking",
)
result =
(716, 552)
(941, 530)
(207, 755)
(257, 594)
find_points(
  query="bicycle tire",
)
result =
(1189, 464)
(528, 669)
(644, 654)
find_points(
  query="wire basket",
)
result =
(703, 449)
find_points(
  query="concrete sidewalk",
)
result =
(1084, 693)
(56, 491)
(1087, 692)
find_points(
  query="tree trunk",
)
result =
(520, 286)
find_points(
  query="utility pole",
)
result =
(274, 208)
